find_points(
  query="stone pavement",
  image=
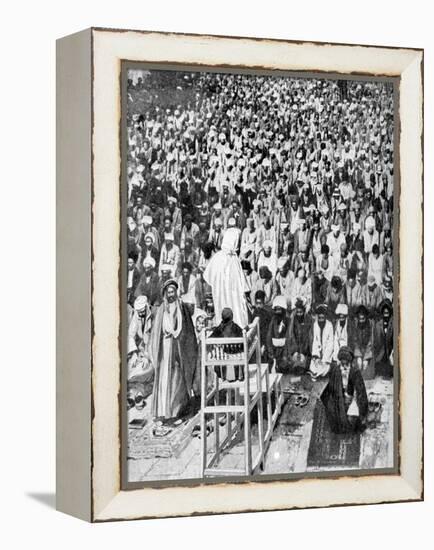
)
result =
(288, 449)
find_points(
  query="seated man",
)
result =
(277, 336)
(264, 313)
(228, 329)
(383, 341)
(322, 344)
(267, 284)
(341, 329)
(361, 341)
(344, 398)
(300, 338)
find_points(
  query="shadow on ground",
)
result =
(47, 499)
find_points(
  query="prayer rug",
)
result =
(328, 449)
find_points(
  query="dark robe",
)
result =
(300, 337)
(229, 330)
(278, 334)
(150, 289)
(383, 347)
(131, 291)
(319, 291)
(336, 407)
(334, 298)
(183, 361)
(265, 315)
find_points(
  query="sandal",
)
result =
(209, 430)
(161, 431)
(304, 401)
(298, 400)
(196, 431)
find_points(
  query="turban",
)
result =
(149, 261)
(150, 236)
(342, 309)
(345, 354)
(279, 301)
(386, 304)
(169, 282)
(322, 308)
(362, 310)
(300, 303)
(281, 262)
(369, 222)
(140, 303)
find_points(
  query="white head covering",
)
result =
(198, 313)
(279, 301)
(342, 309)
(149, 261)
(230, 240)
(281, 262)
(151, 236)
(140, 303)
(369, 222)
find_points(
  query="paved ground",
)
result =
(288, 449)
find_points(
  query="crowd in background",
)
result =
(302, 169)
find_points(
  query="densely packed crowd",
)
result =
(302, 171)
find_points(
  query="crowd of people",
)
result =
(260, 196)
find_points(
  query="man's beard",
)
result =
(171, 299)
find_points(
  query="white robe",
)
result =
(226, 278)
(322, 349)
(340, 338)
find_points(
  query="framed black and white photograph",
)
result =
(247, 288)
(260, 212)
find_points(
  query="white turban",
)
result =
(140, 303)
(279, 301)
(149, 261)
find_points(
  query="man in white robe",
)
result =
(322, 345)
(225, 276)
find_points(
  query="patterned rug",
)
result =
(143, 444)
(327, 449)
